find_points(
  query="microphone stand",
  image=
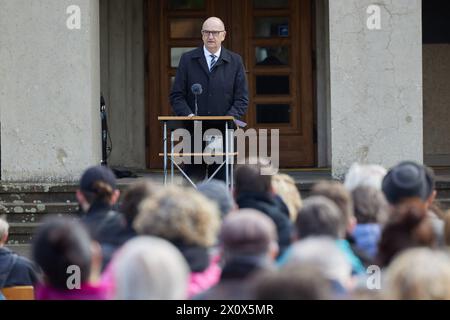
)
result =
(196, 104)
(104, 132)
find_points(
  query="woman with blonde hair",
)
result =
(189, 221)
(418, 274)
(284, 186)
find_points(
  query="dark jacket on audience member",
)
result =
(269, 205)
(108, 227)
(236, 275)
(16, 270)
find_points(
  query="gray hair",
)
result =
(325, 255)
(149, 268)
(320, 216)
(4, 227)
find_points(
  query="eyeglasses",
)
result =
(213, 33)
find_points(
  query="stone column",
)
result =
(376, 82)
(49, 90)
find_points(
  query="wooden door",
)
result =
(274, 39)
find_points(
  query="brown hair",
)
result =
(103, 192)
(408, 227)
(336, 192)
(370, 205)
(134, 196)
(248, 178)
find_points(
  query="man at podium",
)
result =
(210, 81)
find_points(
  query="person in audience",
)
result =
(412, 183)
(14, 269)
(408, 227)
(364, 176)
(291, 283)
(70, 261)
(248, 241)
(320, 216)
(149, 268)
(217, 191)
(324, 255)
(418, 274)
(189, 221)
(371, 213)
(285, 187)
(253, 190)
(337, 193)
(132, 199)
(97, 196)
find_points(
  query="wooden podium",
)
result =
(170, 124)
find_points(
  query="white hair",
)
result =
(364, 176)
(324, 254)
(149, 268)
(4, 228)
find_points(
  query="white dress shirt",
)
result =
(208, 56)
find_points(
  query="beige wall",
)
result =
(376, 84)
(49, 90)
(436, 76)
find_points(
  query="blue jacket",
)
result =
(225, 88)
(367, 237)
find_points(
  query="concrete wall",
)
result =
(436, 77)
(49, 90)
(123, 79)
(376, 83)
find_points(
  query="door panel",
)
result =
(274, 39)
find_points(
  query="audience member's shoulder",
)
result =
(24, 262)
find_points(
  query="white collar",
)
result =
(208, 54)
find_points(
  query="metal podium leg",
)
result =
(232, 162)
(165, 153)
(173, 158)
(226, 155)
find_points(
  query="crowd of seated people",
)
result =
(260, 241)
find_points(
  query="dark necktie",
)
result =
(213, 61)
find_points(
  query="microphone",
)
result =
(197, 90)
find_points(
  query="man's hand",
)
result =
(191, 115)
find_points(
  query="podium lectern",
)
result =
(170, 124)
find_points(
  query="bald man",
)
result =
(220, 73)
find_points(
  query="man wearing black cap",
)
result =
(97, 196)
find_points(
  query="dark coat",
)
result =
(108, 228)
(235, 281)
(16, 270)
(225, 88)
(270, 206)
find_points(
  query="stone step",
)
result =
(37, 197)
(34, 217)
(18, 207)
(444, 203)
(21, 249)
